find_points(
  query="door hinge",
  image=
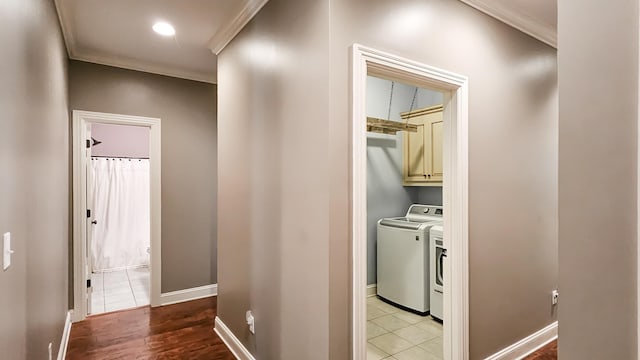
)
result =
(88, 283)
(88, 213)
(88, 143)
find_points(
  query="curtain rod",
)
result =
(120, 157)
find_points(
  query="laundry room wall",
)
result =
(386, 196)
(187, 110)
(120, 140)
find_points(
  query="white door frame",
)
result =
(368, 61)
(80, 120)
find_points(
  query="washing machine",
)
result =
(403, 257)
(437, 253)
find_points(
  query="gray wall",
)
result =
(120, 140)
(284, 154)
(273, 181)
(386, 197)
(187, 110)
(34, 151)
(598, 86)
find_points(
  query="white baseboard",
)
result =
(62, 350)
(232, 342)
(372, 290)
(527, 345)
(195, 293)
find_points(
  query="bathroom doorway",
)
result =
(116, 212)
(119, 243)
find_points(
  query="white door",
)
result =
(90, 217)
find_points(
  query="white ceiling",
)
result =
(118, 33)
(537, 18)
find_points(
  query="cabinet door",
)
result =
(415, 163)
(423, 149)
(435, 150)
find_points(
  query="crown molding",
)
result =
(65, 25)
(222, 37)
(543, 32)
(142, 66)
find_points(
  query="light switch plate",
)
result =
(6, 251)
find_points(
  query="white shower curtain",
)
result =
(121, 203)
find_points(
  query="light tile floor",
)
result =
(395, 334)
(119, 290)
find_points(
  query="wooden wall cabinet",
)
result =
(422, 154)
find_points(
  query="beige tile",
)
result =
(373, 353)
(390, 343)
(374, 330)
(414, 334)
(409, 317)
(433, 346)
(372, 300)
(415, 353)
(431, 327)
(390, 309)
(390, 322)
(374, 312)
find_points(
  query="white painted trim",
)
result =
(80, 119)
(65, 26)
(528, 345)
(638, 216)
(224, 36)
(372, 290)
(456, 308)
(64, 342)
(541, 31)
(195, 293)
(232, 342)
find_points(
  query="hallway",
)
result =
(177, 331)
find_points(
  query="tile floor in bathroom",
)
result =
(393, 333)
(118, 290)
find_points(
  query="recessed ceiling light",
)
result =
(164, 29)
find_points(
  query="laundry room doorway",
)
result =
(116, 212)
(409, 209)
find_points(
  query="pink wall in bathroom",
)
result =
(120, 140)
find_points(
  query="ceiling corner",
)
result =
(66, 28)
(546, 33)
(226, 33)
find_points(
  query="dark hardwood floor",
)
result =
(180, 331)
(548, 352)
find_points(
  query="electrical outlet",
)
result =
(6, 250)
(251, 321)
(554, 297)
